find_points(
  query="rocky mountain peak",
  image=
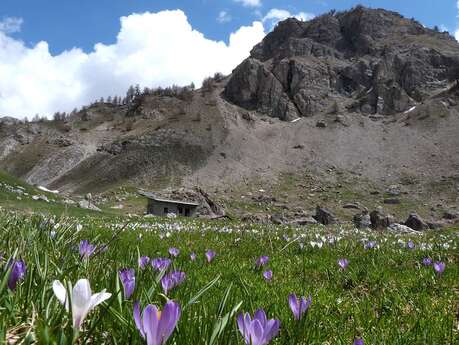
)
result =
(370, 61)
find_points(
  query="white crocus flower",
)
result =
(83, 301)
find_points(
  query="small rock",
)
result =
(303, 221)
(88, 206)
(321, 124)
(392, 201)
(277, 219)
(451, 214)
(394, 190)
(352, 206)
(435, 225)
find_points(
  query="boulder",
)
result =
(362, 220)
(380, 220)
(415, 222)
(400, 228)
(324, 216)
(88, 205)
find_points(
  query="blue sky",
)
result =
(82, 23)
(65, 53)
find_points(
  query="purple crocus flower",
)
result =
(261, 261)
(410, 244)
(18, 271)
(358, 341)
(370, 245)
(427, 261)
(160, 264)
(127, 277)
(174, 252)
(343, 263)
(171, 280)
(299, 306)
(210, 254)
(268, 275)
(193, 256)
(258, 331)
(156, 326)
(143, 261)
(439, 267)
(86, 249)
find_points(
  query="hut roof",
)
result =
(153, 196)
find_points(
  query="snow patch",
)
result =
(44, 189)
(410, 110)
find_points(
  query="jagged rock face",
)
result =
(261, 91)
(367, 61)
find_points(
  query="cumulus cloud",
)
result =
(152, 49)
(456, 34)
(224, 17)
(11, 25)
(249, 3)
(276, 15)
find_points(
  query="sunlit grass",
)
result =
(385, 295)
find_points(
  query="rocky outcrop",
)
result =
(370, 61)
(253, 86)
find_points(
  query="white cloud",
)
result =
(250, 3)
(224, 17)
(276, 15)
(152, 49)
(456, 34)
(11, 24)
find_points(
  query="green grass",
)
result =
(386, 295)
(23, 202)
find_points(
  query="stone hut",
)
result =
(162, 207)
